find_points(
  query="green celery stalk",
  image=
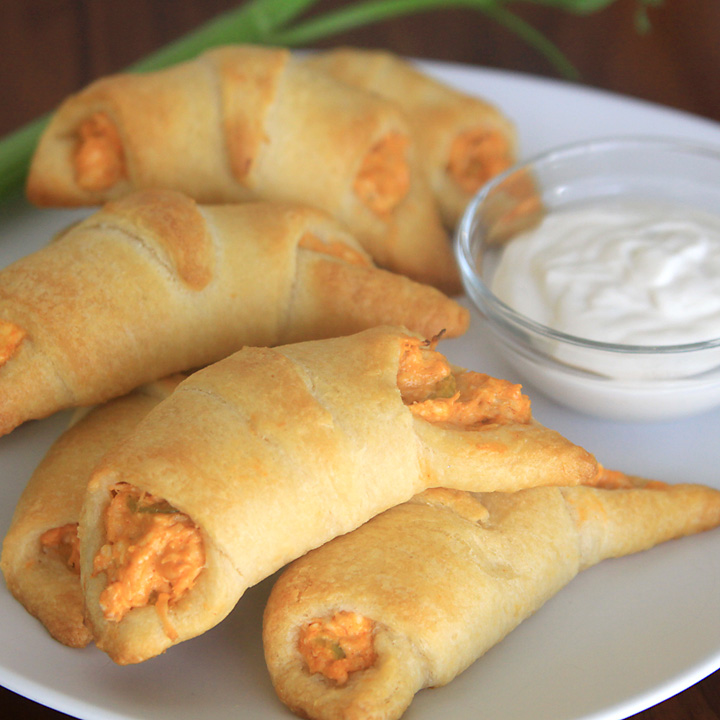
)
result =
(15, 152)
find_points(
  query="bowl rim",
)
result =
(495, 310)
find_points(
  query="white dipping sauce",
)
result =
(620, 272)
(626, 272)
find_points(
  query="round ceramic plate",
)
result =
(623, 636)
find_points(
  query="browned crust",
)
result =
(246, 123)
(446, 576)
(437, 111)
(53, 497)
(248, 85)
(351, 297)
(174, 223)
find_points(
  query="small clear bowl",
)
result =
(634, 383)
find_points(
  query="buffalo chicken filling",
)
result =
(384, 177)
(63, 543)
(476, 156)
(337, 646)
(152, 554)
(434, 391)
(99, 158)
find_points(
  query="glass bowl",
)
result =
(624, 382)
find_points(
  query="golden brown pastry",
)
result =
(409, 600)
(246, 122)
(40, 552)
(463, 140)
(154, 284)
(271, 452)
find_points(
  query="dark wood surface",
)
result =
(53, 47)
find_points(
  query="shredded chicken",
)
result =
(99, 157)
(477, 155)
(464, 399)
(152, 556)
(384, 178)
(63, 543)
(422, 371)
(338, 646)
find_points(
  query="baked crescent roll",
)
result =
(409, 600)
(40, 552)
(268, 453)
(246, 122)
(154, 284)
(463, 140)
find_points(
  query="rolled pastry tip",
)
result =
(355, 628)
(271, 452)
(40, 553)
(463, 140)
(241, 123)
(154, 284)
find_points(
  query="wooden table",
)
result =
(53, 48)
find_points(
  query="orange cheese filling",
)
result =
(152, 556)
(477, 155)
(99, 159)
(63, 543)
(333, 248)
(338, 646)
(10, 338)
(435, 392)
(384, 177)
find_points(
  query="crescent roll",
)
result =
(266, 454)
(463, 140)
(40, 552)
(409, 600)
(246, 122)
(154, 284)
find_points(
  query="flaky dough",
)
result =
(272, 452)
(154, 284)
(442, 118)
(245, 122)
(448, 575)
(53, 497)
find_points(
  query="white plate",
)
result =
(623, 636)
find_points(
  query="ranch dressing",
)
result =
(625, 272)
